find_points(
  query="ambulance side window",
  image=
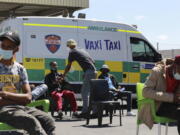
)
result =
(142, 51)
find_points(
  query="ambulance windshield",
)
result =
(142, 51)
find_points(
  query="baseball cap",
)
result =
(71, 42)
(177, 60)
(105, 67)
(13, 36)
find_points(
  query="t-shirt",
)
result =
(83, 59)
(12, 77)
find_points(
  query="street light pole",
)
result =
(157, 46)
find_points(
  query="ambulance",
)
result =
(129, 55)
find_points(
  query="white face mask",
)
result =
(176, 76)
(6, 54)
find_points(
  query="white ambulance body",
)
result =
(43, 39)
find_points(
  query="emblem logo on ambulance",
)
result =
(53, 42)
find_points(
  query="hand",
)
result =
(63, 75)
(3, 94)
(55, 82)
(116, 90)
(58, 89)
(177, 97)
(60, 78)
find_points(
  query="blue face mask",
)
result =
(53, 68)
(6, 54)
(176, 76)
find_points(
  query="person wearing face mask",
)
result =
(59, 88)
(163, 85)
(15, 92)
(115, 89)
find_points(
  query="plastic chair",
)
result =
(99, 96)
(44, 103)
(157, 119)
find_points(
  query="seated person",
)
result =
(38, 91)
(58, 87)
(116, 90)
(163, 85)
(15, 92)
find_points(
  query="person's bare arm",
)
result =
(16, 98)
(68, 67)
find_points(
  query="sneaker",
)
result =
(130, 114)
(60, 114)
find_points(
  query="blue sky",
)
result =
(158, 20)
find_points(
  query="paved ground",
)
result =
(69, 126)
(76, 127)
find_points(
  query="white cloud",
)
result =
(139, 17)
(162, 37)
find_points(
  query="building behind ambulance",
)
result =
(122, 47)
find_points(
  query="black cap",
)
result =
(13, 36)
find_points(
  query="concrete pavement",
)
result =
(67, 126)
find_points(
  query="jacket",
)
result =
(51, 77)
(155, 88)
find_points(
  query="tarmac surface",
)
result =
(74, 126)
(70, 126)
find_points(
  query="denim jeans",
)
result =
(39, 91)
(85, 89)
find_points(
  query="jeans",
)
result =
(126, 94)
(30, 119)
(39, 91)
(121, 94)
(85, 89)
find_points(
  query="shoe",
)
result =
(130, 114)
(82, 115)
(60, 114)
(94, 115)
(75, 114)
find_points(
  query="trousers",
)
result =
(121, 94)
(126, 94)
(170, 110)
(69, 95)
(85, 89)
(30, 119)
(39, 91)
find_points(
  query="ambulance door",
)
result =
(143, 56)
